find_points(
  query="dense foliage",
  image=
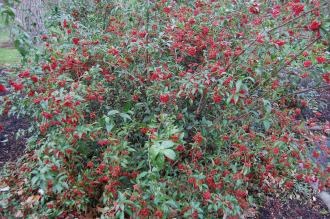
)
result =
(166, 108)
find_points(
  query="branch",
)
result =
(198, 111)
(287, 63)
(293, 19)
(296, 55)
(268, 32)
(309, 89)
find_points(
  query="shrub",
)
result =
(166, 109)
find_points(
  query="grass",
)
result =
(4, 34)
(8, 55)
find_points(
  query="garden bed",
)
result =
(11, 148)
(291, 209)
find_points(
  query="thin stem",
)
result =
(287, 63)
(295, 56)
(293, 19)
(306, 90)
(268, 32)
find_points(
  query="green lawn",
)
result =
(4, 35)
(8, 55)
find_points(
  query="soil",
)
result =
(6, 45)
(274, 208)
(10, 147)
(325, 96)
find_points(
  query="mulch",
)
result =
(10, 147)
(275, 208)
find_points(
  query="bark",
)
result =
(30, 15)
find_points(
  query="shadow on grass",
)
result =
(8, 54)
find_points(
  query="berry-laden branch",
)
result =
(267, 32)
(287, 63)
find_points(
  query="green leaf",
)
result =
(172, 203)
(128, 106)
(229, 99)
(238, 86)
(125, 116)
(250, 78)
(169, 153)
(141, 175)
(160, 162)
(35, 179)
(113, 112)
(166, 144)
(259, 71)
(236, 98)
(109, 127)
(154, 151)
(267, 124)
(268, 106)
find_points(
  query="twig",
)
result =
(295, 56)
(200, 105)
(287, 63)
(293, 19)
(309, 89)
(291, 94)
(268, 32)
